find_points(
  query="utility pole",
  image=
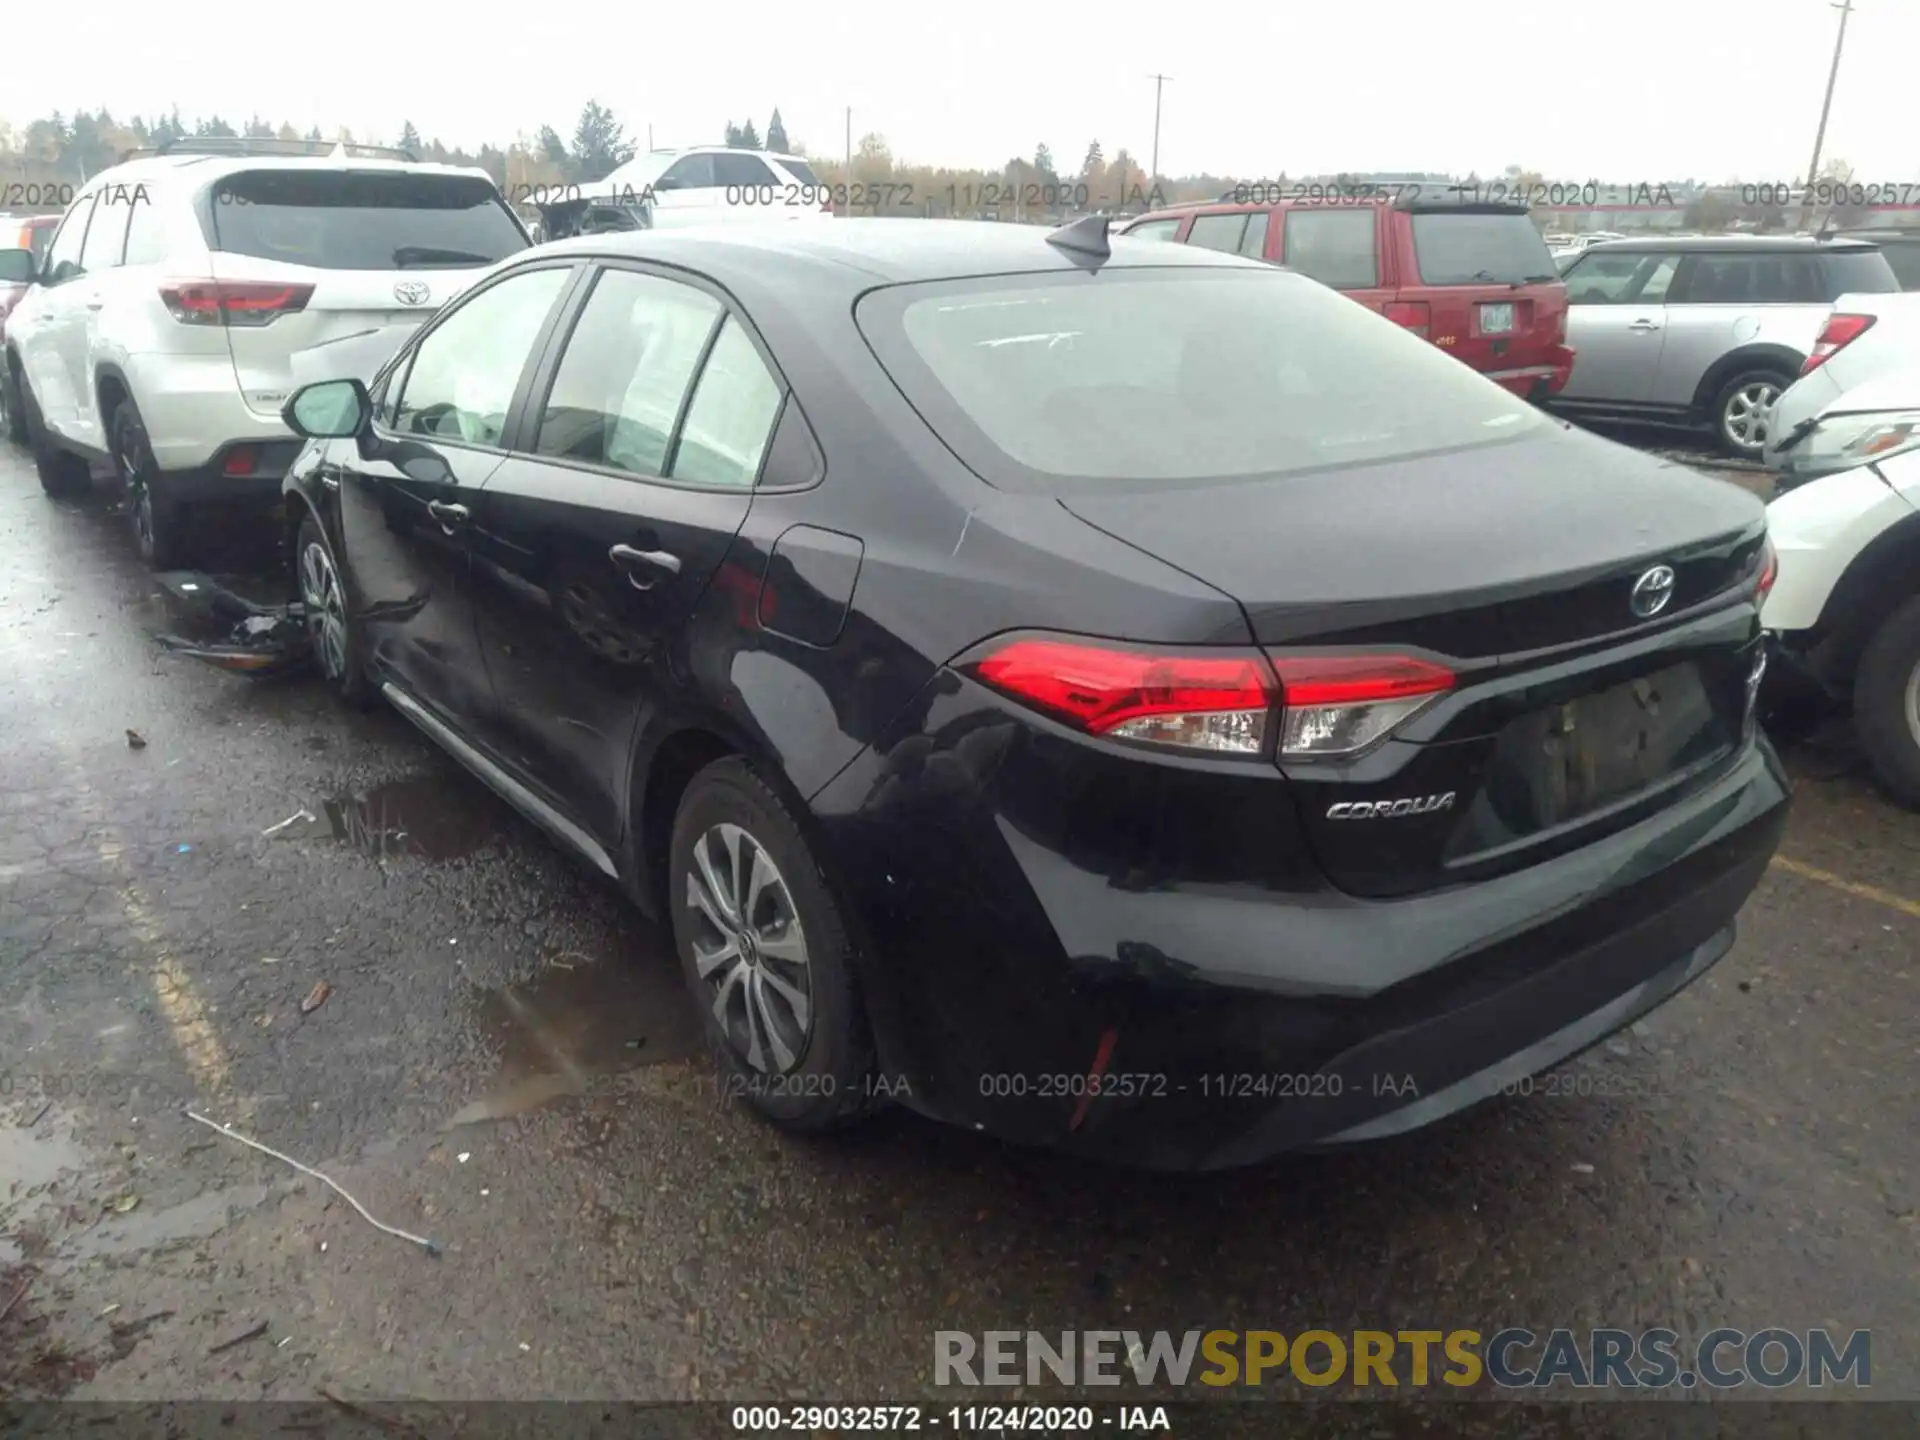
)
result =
(1820, 136)
(1158, 82)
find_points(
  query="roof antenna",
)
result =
(1085, 236)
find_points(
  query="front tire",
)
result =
(1742, 412)
(767, 955)
(1886, 703)
(331, 633)
(157, 532)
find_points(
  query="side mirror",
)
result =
(17, 267)
(328, 410)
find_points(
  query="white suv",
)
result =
(706, 185)
(160, 330)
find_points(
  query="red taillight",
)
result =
(1193, 701)
(232, 302)
(1769, 572)
(1413, 315)
(1839, 332)
(1338, 705)
(1330, 706)
(241, 460)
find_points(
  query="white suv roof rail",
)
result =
(241, 146)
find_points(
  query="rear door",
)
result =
(1721, 301)
(1617, 323)
(631, 474)
(1339, 247)
(323, 252)
(1489, 283)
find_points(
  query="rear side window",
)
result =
(731, 417)
(146, 234)
(1335, 247)
(107, 236)
(1471, 249)
(1218, 232)
(799, 169)
(742, 170)
(1861, 272)
(360, 220)
(1167, 378)
(1778, 279)
(626, 372)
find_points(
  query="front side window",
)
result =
(1218, 232)
(465, 371)
(625, 375)
(63, 255)
(1613, 277)
(1155, 230)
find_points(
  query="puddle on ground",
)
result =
(430, 817)
(198, 1219)
(570, 1029)
(32, 1157)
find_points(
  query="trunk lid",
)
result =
(1514, 564)
(379, 247)
(1492, 289)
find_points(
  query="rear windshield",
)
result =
(799, 169)
(1480, 249)
(1158, 378)
(1858, 272)
(344, 220)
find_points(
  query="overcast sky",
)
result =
(1620, 90)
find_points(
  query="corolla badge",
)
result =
(1390, 809)
(412, 292)
(1651, 592)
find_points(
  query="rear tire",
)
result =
(157, 532)
(1740, 412)
(804, 1066)
(1886, 703)
(63, 475)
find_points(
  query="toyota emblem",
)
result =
(411, 292)
(1652, 591)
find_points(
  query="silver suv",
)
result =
(1704, 332)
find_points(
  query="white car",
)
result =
(1865, 338)
(1845, 609)
(159, 332)
(705, 185)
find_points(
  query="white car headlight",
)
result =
(1844, 441)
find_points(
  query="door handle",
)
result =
(631, 560)
(96, 304)
(451, 517)
(1644, 325)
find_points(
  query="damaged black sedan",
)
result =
(1115, 695)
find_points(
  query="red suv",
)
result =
(1473, 276)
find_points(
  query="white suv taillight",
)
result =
(1839, 332)
(1225, 701)
(1339, 705)
(250, 303)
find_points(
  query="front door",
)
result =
(1617, 324)
(634, 469)
(406, 492)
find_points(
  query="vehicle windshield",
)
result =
(363, 220)
(1148, 378)
(1476, 249)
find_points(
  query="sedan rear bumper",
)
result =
(1062, 984)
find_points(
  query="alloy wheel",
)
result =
(1747, 414)
(750, 950)
(326, 609)
(1912, 705)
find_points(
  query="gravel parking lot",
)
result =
(504, 1063)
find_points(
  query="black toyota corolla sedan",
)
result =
(1114, 695)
